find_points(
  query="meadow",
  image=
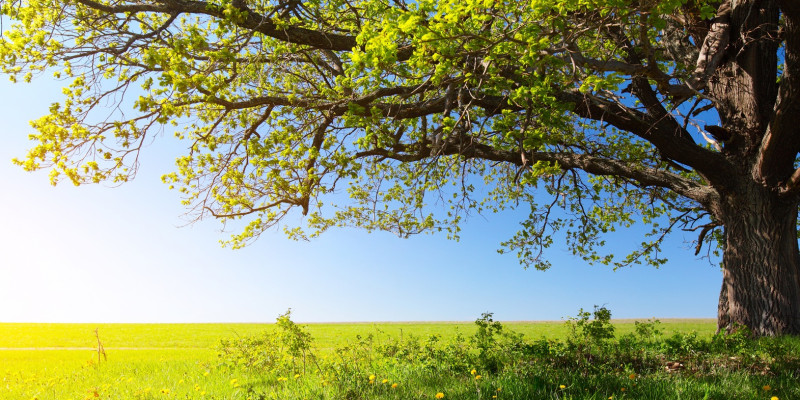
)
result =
(585, 358)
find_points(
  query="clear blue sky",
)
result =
(101, 254)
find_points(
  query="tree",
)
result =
(675, 114)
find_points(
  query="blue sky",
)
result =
(124, 254)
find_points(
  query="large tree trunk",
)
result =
(761, 263)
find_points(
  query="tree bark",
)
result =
(761, 263)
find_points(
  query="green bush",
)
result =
(286, 350)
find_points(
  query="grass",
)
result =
(327, 335)
(515, 360)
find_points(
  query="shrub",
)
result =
(588, 329)
(275, 351)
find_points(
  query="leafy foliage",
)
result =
(409, 107)
(596, 114)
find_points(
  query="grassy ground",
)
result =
(421, 360)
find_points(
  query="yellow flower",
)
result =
(296, 376)
(206, 373)
(283, 379)
(165, 391)
(372, 377)
(440, 395)
(473, 372)
(499, 389)
(384, 381)
(774, 398)
(766, 387)
(632, 376)
(233, 381)
(477, 377)
(394, 386)
(622, 389)
(494, 397)
(562, 386)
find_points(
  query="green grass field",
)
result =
(181, 361)
(41, 335)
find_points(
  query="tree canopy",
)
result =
(676, 114)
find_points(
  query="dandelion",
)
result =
(180, 381)
(206, 373)
(774, 398)
(440, 395)
(622, 389)
(296, 376)
(766, 388)
(394, 386)
(477, 377)
(384, 381)
(562, 386)
(165, 391)
(473, 372)
(283, 379)
(632, 376)
(372, 377)
(499, 389)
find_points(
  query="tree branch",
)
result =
(643, 176)
(654, 73)
(781, 142)
(713, 48)
(253, 21)
(665, 136)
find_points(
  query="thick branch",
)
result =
(492, 104)
(713, 47)
(793, 185)
(641, 175)
(662, 134)
(644, 176)
(654, 73)
(781, 143)
(252, 21)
